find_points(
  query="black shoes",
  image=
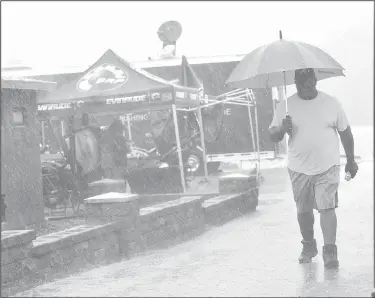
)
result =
(330, 256)
(308, 252)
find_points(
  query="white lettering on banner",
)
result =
(166, 96)
(180, 94)
(128, 99)
(227, 112)
(185, 95)
(54, 106)
(135, 117)
(148, 135)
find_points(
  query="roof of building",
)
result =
(26, 83)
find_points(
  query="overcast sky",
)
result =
(78, 33)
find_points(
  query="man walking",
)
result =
(314, 121)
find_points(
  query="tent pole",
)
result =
(43, 136)
(62, 127)
(123, 124)
(201, 128)
(129, 127)
(179, 147)
(257, 131)
(251, 124)
(73, 146)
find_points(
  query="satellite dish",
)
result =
(169, 32)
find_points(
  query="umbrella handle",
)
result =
(285, 94)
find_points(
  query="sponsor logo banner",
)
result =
(181, 95)
(155, 96)
(103, 78)
(126, 99)
(54, 106)
(166, 96)
(135, 117)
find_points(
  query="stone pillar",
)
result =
(21, 180)
(121, 208)
(105, 186)
(236, 183)
(245, 185)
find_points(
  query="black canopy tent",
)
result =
(112, 86)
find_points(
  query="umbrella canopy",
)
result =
(111, 86)
(274, 64)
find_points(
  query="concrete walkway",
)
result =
(255, 255)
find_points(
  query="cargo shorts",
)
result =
(318, 192)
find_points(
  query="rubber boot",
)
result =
(309, 251)
(330, 256)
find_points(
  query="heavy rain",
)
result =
(187, 149)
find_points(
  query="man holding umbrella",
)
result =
(313, 120)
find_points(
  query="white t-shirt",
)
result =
(315, 145)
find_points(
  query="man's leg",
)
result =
(326, 200)
(328, 223)
(306, 225)
(304, 199)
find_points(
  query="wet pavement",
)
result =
(255, 255)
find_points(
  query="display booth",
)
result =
(111, 86)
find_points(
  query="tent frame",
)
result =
(173, 106)
(240, 97)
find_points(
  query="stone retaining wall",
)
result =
(223, 208)
(15, 255)
(74, 248)
(116, 227)
(171, 221)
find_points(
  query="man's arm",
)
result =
(347, 142)
(277, 133)
(346, 136)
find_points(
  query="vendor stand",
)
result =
(112, 87)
